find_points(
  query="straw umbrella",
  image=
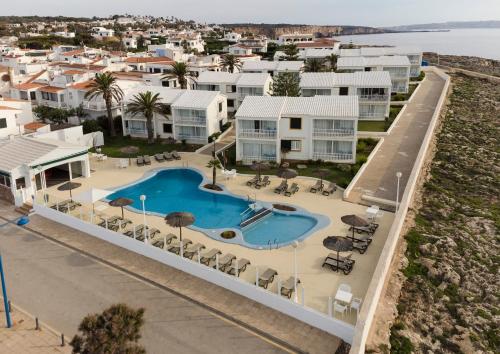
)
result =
(338, 244)
(179, 219)
(69, 186)
(258, 166)
(129, 150)
(322, 173)
(121, 202)
(354, 221)
(287, 173)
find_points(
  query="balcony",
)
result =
(372, 115)
(191, 121)
(374, 98)
(137, 131)
(333, 132)
(97, 105)
(53, 104)
(191, 137)
(250, 159)
(332, 157)
(257, 133)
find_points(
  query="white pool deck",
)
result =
(319, 283)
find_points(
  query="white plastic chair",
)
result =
(339, 308)
(345, 287)
(356, 305)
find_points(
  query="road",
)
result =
(61, 286)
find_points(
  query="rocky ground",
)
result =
(481, 65)
(450, 298)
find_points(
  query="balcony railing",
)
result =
(371, 115)
(53, 104)
(373, 98)
(333, 132)
(191, 137)
(191, 121)
(259, 158)
(97, 105)
(257, 133)
(332, 156)
(137, 131)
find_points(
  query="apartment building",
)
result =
(193, 115)
(102, 33)
(309, 53)
(14, 115)
(258, 44)
(398, 67)
(297, 128)
(235, 86)
(414, 55)
(373, 90)
(295, 38)
(232, 37)
(272, 67)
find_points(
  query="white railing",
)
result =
(377, 98)
(333, 132)
(257, 133)
(191, 137)
(259, 158)
(191, 121)
(137, 131)
(368, 115)
(97, 105)
(332, 157)
(53, 104)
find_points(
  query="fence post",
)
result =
(181, 248)
(106, 223)
(134, 231)
(199, 255)
(217, 261)
(256, 276)
(235, 267)
(303, 296)
(279, 285)
(330, 306)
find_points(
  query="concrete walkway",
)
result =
(183, 313)
(228, 140)
(399, 150)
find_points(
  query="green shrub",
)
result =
(90, 126)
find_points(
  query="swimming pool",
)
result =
(180, 189)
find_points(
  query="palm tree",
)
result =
(214, 164)
(313, 65)
(180, 72)
(105, 85)
(230, 62)
(147, 104)
(331, 60)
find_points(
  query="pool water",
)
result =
(178, 189)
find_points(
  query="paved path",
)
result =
(228, 140)
(61, 286)
(399, 150)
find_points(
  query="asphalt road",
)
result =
(61, 286)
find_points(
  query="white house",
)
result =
(272, 67)
(238, 49)
(235, 86)
(258, 44)
(232, 37)
(193, 115)
(372, 88)
(285, 39)
(397, 66)
(297, 128)
(102, 33)
(8, 121)
(309, 53)
(130, 42)
(414, 55)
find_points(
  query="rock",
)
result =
(437, 331)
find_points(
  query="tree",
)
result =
(314, 65)
(291, 52)
(230, 62)
(180, 72)
(214, 164)
(147, 104)
(331, 61)
(105, 85)
(286, 84)
(115, 330)
(90, 126)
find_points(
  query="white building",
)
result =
(235, 86)
(272, 67)
(297, 128)
(258, 44)
(102, 33)
(232, 37)
(194, 115)
(414, 55)
(295, 38)
(309, 53)
(397, 66)
(129, 42)
(238, 49)
(372, 88)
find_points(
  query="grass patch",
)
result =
(113, 145)
(399, 97)
(380, 126)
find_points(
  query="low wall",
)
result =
(314, 318)
(381, 272)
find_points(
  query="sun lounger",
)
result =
(168, 156)
(138, 231)
(140, 161)
(262, 183)
(342, 255)
(151, 232)
(252, 181)
(345, 265)
(209, 256)
(193, 250)
(281, 188)
(147, 160)
(237, 266)
(288, 287)
(317, 187)
(161, 241)
(370, 229)
(225, 261)
(294, 188)
(332, 187)
(57, 206)
(267, 277)
(159, 157)
(69, 206)
(360, 245)
(176, 155)
(175, 247)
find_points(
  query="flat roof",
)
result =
(196, 99)
(273, 65)
(360, 79)
(394, 60)
(379, 51)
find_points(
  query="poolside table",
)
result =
(343, 296)
(372, 212)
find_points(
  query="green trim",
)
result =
(61, 159)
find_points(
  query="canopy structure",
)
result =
(92, 195)
(179, 219)
(287, 173)
(354, 221)
(121, 202)
(338, 244)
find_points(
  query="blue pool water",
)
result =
(178, 189)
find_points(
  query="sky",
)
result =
(322, 12)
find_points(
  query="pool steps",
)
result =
(258, 216)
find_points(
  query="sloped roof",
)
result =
(253, 79)
(209, 77)
(273, 65)
(195, 99)
(394, 60)
(359, 79)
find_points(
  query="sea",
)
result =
(480, 42)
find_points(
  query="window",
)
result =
(165, 83)
(33, 95)
(167, 128)
(5, 181)
(23, 95)
(230, 103)
(296, 145)
(295, 123)
(20, 183)
(3, 123)
(368, 69)
(220, 107)
(343, 91)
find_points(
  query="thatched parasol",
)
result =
(258, 166)
(287, 173)
(338, 244)
(354, 221)
(69, 186)
(121, 202)
(321, 173)
(129, 150)
(179, 219)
